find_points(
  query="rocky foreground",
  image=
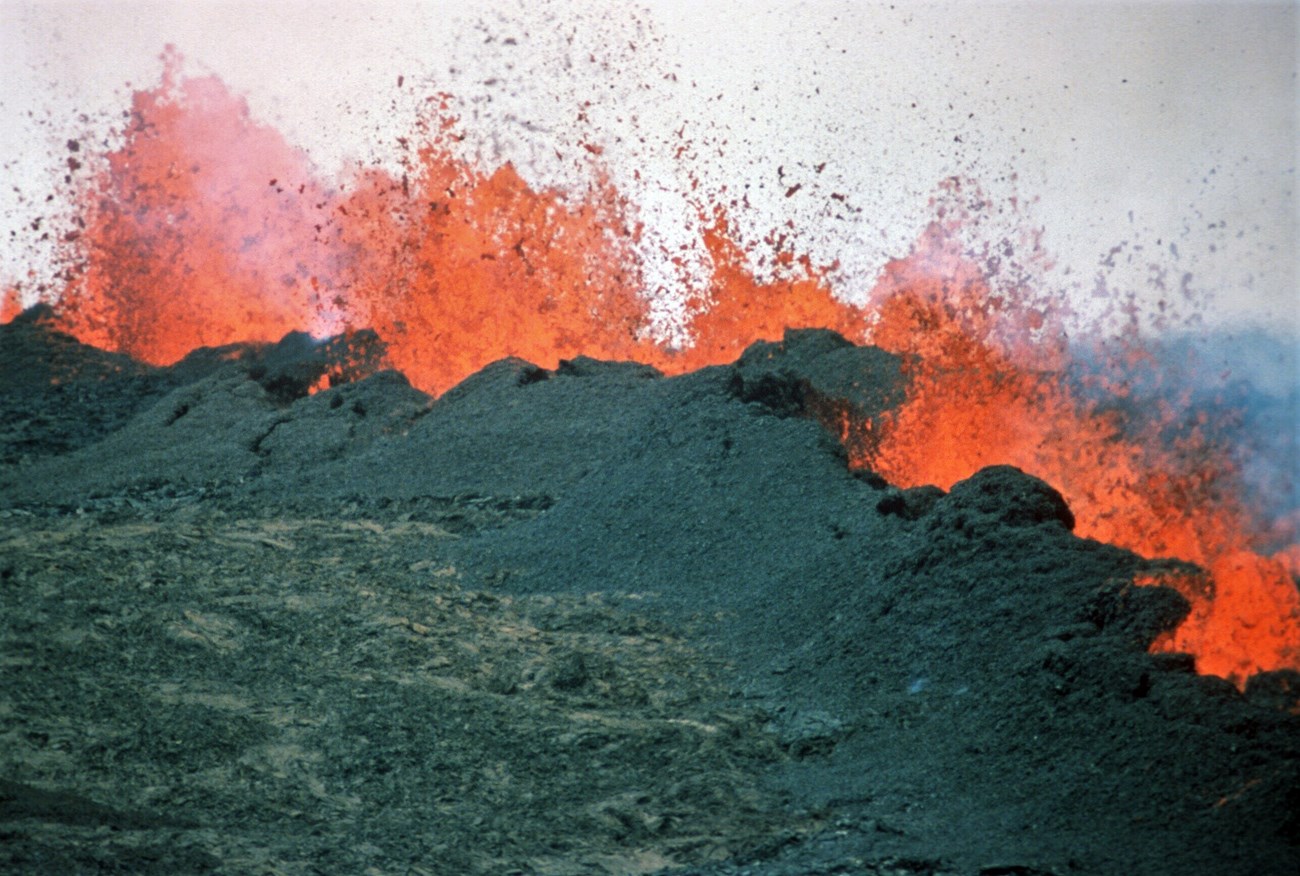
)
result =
(589, 620)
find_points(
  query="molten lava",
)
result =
(10, 305)
(196, 231)
(978, 397)
(203, 227)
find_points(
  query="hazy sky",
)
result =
(1167, 131)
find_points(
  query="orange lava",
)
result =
(203, 227)
(456, 267)
(981, 394)
(196, 231)
(10, 304)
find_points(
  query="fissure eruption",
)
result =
(199, 226)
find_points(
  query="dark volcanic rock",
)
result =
(961, 682)
(1004, 496)
(290, 368)
(83, 422)
(814, 369)
(58, 394)
(911, 503)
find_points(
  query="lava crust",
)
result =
(584, 620)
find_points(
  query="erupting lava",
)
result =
(203, 227)
(981, 394)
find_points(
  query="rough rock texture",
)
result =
(945, 682)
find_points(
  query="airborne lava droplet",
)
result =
(454, 265)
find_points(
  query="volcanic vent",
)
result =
(917, 571)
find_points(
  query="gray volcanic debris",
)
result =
(655, 572)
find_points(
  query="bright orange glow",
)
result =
(197, 230)
(455, 268)
(1245, 623)
(737, 309)
(980, 396)
(10, 305)
(203, 227)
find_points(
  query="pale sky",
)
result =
(1166, 130)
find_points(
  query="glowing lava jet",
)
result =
(204, 227)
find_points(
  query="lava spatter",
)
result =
(203, 226)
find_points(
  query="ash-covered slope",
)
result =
(80, 421)
(58, 394)
(964, 683)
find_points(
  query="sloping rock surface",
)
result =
(953, 682)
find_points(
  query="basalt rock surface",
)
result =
(583, 620)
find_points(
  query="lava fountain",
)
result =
(200, 226)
